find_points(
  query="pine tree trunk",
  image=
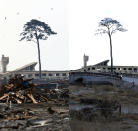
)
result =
(111, 55)
(39, 58)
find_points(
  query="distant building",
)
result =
(104, 67)
(4, 63)
(29, 70)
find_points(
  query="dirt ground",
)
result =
(87, 117)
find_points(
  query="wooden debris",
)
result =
(19, 90)
(4, 96)
(32, 98)
(53, 110)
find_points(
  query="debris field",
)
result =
(25, 106)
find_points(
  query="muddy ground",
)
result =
(94, 113)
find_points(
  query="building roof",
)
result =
(28, 67)
(103, 63)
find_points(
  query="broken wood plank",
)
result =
(4, 96)
(32, 98)
(18, 101)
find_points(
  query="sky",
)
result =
(54, 51)
(75, 22)
(83, 21)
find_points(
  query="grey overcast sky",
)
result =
(83, 21)
(75, 21)
(54, 51)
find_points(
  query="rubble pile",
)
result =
(26, 106)
(19, 90)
